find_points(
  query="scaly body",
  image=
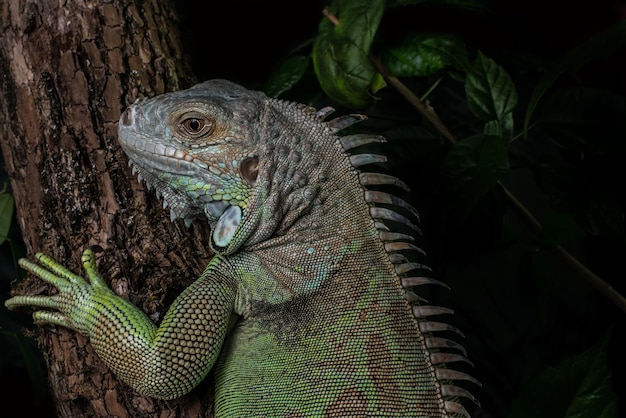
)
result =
(306, 309)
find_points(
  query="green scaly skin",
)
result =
(323, 325)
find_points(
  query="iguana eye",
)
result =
(194, 127)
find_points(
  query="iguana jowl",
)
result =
(326, 323)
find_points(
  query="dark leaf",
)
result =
(341, 52)
(421, 55)
(569, 190)
(579, 387)
(286, 75)
(502, 127)
(602, 45)
(489, 89)
(559, 228)
(473, 166)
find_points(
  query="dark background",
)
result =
(245, 40)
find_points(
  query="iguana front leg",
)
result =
(163, 362)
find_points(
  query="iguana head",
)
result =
(197, 148)
(257, 167)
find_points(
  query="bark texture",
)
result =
(67, 70)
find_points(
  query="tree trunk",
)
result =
(68, 70)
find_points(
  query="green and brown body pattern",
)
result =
(307, 309)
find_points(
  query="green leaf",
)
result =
(286, 75)
(421, 55)
(586, 120)
(559, 228)
(579, 387)
(489, 89)
(6, 215)
(473, 166)
(604, 44)
(502, 127)
(341, 53)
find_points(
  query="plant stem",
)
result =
(425, 110)
(562, 254)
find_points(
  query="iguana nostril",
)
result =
(127, 117)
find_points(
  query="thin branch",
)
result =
(522, 211)
(562, 254)
(427, 111)
(330, 16)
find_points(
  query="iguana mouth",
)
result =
(155, 157)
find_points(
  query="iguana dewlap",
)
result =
(326, 323)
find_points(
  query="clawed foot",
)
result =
(77, 299)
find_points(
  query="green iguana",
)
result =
(306, 308)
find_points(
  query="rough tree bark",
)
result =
(67, 70)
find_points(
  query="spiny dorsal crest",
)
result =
(399, 245)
